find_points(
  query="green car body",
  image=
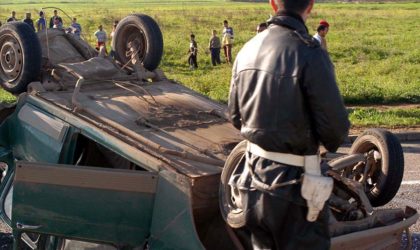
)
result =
(157, 204)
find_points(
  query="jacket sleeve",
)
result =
(328, 114)
(233, 105)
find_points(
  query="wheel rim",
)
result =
(235, 200)
(233, 197)
(131, 34)
(371, 180)
(11, 59)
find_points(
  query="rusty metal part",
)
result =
(356, 188)
(346, 161)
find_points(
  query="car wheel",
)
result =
(229, 196)
(145, 33)
(385, 177)
(20, 56)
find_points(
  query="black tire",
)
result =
(235, 162)
(386, 179)
(20, 56)
(148, 35)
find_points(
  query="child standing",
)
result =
(41, 23)
(100, 38)
(227, 41)
(192, 59)
(214, 47)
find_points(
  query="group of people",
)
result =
(215, 46)
(41, 23)
(57, 22)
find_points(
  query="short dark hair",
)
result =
(296, 6)
(321, 28)
(225, 21)
(192, 36)
(262, 25)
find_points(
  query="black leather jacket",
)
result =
(283, 93)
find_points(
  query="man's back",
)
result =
(285, 85)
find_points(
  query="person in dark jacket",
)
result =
(56, 20)
(28, 20)
(285, 101)
(12, 18)
(214, 47)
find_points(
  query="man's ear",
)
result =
(310, 6)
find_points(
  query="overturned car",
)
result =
(107, 153)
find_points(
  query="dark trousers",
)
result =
(274, 223)
(277, 219)
(192, 60)
(215, 56)
(228, 52)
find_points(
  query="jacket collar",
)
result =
(290, 20)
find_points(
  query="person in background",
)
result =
(227, 41)
(41, 23)
(53, 22)
(193, 51)
(0, 24)
(28, 20)
(261, 27)
(13, 17)
(76, 28)
(57, 23)
(214, 47)
(321, 33)
(111, 36)
(285, 101)
(100, 38)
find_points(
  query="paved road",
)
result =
(409, 193)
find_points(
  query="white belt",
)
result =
(288, 159)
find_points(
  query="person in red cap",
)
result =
(285, 101)
(321, 33)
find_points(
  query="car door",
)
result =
(93, 204)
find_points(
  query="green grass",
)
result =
(394, 117)
(375, 47)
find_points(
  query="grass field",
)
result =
(375, 47)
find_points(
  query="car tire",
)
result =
(235, 163)
(20, 56)
(387, 178)
(146, 31)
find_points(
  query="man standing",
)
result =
(41, 23)
(28, 20)
(76, 28)
(193, 51)
(214, 47)
(100, 38)
(321, 33)
(284, 99)
(56, 20)
(227, 41)
(13, 17)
